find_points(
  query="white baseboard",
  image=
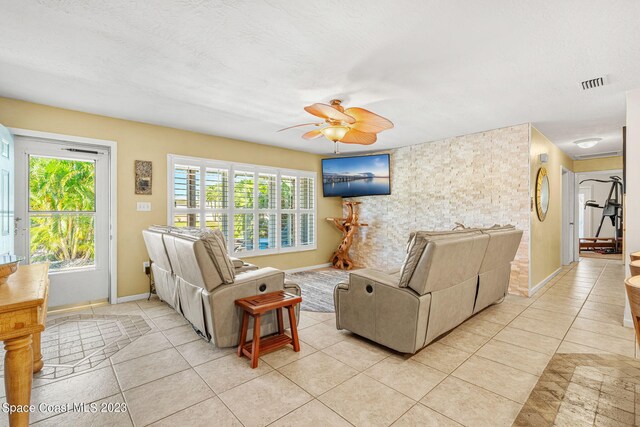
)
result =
(539, 286)
(130, 298)
(311, 267)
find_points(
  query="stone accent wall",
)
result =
(478, 180)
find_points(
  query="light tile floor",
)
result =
(479, 374)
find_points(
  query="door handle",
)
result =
(16, 220)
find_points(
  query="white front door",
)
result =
(6, 191)
(62, 216)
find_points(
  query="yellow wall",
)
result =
(546, 237)
(601, 164)
(139, 141)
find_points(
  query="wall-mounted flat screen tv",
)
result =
(356, 176)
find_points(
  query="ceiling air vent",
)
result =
(597, 155)
(594, 83)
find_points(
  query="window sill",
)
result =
(254, 254)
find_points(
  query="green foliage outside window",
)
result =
(61, 190)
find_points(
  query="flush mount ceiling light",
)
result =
(351, 126)
(587, 143)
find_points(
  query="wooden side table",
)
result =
(23, 312)
(255, 307)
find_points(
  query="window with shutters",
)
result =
(260, 210)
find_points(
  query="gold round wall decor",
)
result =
(542, 194)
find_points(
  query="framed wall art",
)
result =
(143, 177)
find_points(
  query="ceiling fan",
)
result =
(350, 126)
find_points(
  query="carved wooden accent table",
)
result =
(23, 312)
(348, 226)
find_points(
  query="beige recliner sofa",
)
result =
(446, 278)
(195, 275)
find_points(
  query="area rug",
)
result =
(584, 389)
(82, 342)
(317, 288)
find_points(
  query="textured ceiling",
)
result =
(245, 69)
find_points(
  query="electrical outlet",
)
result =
(146, 267)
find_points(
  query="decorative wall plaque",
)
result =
(143, 177)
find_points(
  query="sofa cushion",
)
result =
(503, 245)
(415, 247)
(418, 241)
(214, 244)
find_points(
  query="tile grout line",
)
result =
(314, 399)
(216, 395)
(541, 308)
(582, 306)
(124, 398)
(417, 402)
(185, 408)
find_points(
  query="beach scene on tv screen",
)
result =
(356, 176)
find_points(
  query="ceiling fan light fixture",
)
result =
(334, 133)
(352, 125)
(587, 143)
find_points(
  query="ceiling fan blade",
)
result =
(366, 121)
(328, 112)
(297, 126)
(356, 137)
(312, 134)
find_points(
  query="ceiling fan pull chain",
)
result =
(335, 147)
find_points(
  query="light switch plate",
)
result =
(143, 207)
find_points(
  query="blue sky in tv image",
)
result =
(377, 165)
(356, 176)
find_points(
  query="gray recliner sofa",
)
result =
(195, 275)
(446, 278)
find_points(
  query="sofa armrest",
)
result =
(373, 306)
(292, 287)
(375, 276)
(261, 273)
(225, 317)
(237, 262)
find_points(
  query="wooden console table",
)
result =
(23, 312)
(255, 307)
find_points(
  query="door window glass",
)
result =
(62, 204)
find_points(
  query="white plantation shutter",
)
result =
(307, 207)
(261, 210)
(186, 191)
(268, 210)
(217, 188)
(243, 194)
(186, 196)
(216, 191)
(268, 191)
(307, 188)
